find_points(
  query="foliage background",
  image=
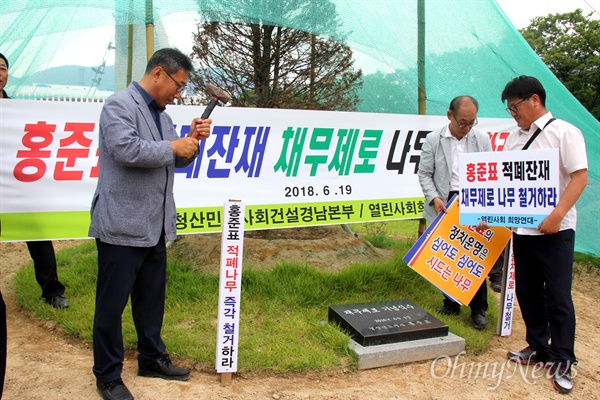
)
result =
(569, 44)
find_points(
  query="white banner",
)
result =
(291, 167)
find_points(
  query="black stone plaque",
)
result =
(385, 322)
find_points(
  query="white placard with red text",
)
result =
(230, 286)
(508, 295)
(291, 167)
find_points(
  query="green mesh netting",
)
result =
(470, 48)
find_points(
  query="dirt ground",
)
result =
(43, 363)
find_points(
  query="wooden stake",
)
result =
(226, 378)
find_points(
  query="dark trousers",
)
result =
(44, 263)
(478, 303)
(2, 343)
(123, 271)
(496, 271)
(543, 274)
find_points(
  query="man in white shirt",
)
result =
(544, 256)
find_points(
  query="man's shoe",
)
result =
(479, 320)
(113, 390)
(163, 368)
(527, 356)
(58, 302)
(496, 286)
(562, 380)
(448, 310)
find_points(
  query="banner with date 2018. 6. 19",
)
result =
(291, 167)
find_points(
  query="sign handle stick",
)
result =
(226, 378)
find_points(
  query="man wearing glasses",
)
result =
(438, 176)
(544, 256)
(132, 210)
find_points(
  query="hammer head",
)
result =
(218, 93)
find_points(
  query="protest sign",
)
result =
(508, 188)
(456, 258)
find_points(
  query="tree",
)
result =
(389, 93)
(269, 66)
(569, 44)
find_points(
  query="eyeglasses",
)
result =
(465, 124)
(514, 108)
(180, 87)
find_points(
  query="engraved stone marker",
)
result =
(385, 322)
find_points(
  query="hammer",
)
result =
(217, 95)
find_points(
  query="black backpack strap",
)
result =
(536, 133)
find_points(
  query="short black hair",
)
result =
(171, 60)
(5, 59)
(522, 87)
(458, 100)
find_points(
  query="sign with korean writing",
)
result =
(230, 282)
(291, 167)
(508, 296)
(508, 188)
(456, 258)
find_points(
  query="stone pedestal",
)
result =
(405, 352)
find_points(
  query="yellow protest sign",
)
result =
(456, 258)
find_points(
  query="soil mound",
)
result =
(329, 247)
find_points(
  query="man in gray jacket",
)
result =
(132, 210)
(438, 176)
